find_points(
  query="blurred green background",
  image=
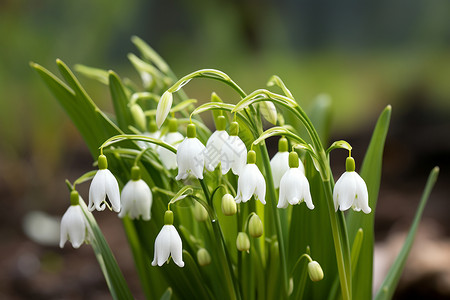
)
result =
(364, 54)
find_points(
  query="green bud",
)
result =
(234, 128)
(152, 126)
(135, 173)
(283, 145)
(173, 125)
(203, 257)
(228, 205)
(138, 116)
(74, 198)
(221, 123)
(315, 271)
(191, 132)
(350, 164)
(251, 157)
(291, 286)
(293, 160)
(200, 213)
(242, 242)
(168, 217)
(255, 226)
(102, 162)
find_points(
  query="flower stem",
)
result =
(276, 217)
(220, 243)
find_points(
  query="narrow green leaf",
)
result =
(371, 173)
(93, 73)
(120, 101)
(113, 275)
(389, 284)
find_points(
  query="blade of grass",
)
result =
(390, 282)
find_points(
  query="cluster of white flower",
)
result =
(192, 158)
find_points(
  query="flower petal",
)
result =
(214, 148)
(112, 190)
(97, 191)
(176, 247)
(279, 165)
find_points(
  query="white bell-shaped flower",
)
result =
(251, 181)
(168, 158)
(234, 152)
(215, 143)
(136, 197)
(104, 184)
(280, 162)
(168, 243)
(190, 156)
(351, 191)
(73, 223)
(294, 187)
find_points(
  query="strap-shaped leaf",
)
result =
(113, 275)
(120, 101)
(390, 282)
(371, 173)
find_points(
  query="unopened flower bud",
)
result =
(242, 242)
(138, 116)
(255, 226)
(200, 213)
(163, 109)
(203, 257)
(315, 271)
(228, 205)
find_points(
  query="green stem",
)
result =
(276, 217)
(344, 271)
(220, 243)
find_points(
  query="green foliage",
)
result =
(272, 268)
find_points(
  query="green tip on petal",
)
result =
(191, 132)
(173, 125)
(221, 123)
(135, 173)
(283, 145)
(234, 128)
(350, 164)
(152, 126)
(168, 217)
(102, 162)
(251, 157)
(74, 198)
(293, 160)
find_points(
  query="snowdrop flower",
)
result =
(280, 162)
(73, 223)
(168, 242)
(163, 108)
(190, 156)
(215, 143)
(251, 181)
(104, 184)
(136, 197)
(350, 190)
(294, 187)
(234, 152)
(168, 158)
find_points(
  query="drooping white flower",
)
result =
(190, 156)
(234, 152)
(215, 143)
(351, 191)
(251, 181)
(280, 162)
(136, 197)
(73, 223)
(163, 108)
(294, 187)
(168, 158)
(168, 243)
(104, 184)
